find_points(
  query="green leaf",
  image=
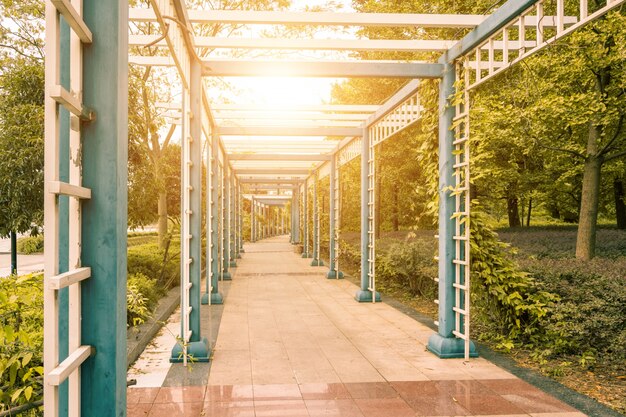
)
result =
(16, 395)
(28, 392)
(26, 359)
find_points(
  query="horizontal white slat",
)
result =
(73, 19)
(459, 310)
(67, 100)
(68, 278)
(69, 365)
(63, 188)
(459, 335)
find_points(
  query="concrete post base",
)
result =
(196, 352)
(449, 347)
(226, 276)
(317, 262)
(216, 298)
(333, 275)
(366, 296)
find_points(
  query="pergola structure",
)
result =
(87, 44)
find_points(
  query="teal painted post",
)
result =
(364, 294)
(305, 223)
(197, 346)
(333, 272)
(213, 184)
(252, 220)
(316, 226)
(296, 217)
(444, 344)
(227, 226)
(104, 216)
(232, 217)
(240, 248)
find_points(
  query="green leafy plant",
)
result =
(30, 244)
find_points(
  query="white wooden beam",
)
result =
(276, 157)
(234, 115)
(152, 61)
(272, 171)
(329, 69)
(289, 131)
(330, 108)
(321, 18)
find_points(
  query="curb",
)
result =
(137, 338)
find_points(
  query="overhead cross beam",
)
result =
(330, 69)
(277, 157)
(288, 131)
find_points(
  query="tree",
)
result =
(21, 146)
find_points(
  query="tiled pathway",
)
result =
(292, 343)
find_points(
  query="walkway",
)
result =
(292, 343)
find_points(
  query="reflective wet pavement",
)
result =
(293, 343)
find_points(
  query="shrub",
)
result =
(30, 244)
(154, 263)
(136, 306)
(147, 287)
(591, 315)
(21, 340)
(410, 264)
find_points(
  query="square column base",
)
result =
(216, 298)
(334, 275)
(226, 276)
(233, 264)
(366, 296)
(449, 347)
(196, 352)
(306, 255)
(317, 262)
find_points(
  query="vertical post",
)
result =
(240, 248)
(364, 294)
(305, 223)
(232, 216)
(296, 215)
(443, 343)
(333, 272)
(252, 219)
(213, 186)
(104, 216)
(227, 226)
(316, 225)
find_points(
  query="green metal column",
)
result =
(296, 215)
(213, 237)
(232, 216)
(252, 220)
(240, 248)
(444, 344)
(226, 276)
(364, 294)
(104, 216)
(333, 272)
(198, 347)
(305, 223)
(316, 225)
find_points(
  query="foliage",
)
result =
(154, 263)
(21, 340)
(21, 146)
(21, 29)
(591, 316)
(30, 244)
(505, 300)
(411, 265)
(142, 295)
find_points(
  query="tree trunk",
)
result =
(13, 236)
(620, 203)
(395, 209)
(512, 208)
(162, 209)
(586, 238)
(530, 210)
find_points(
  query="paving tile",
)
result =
(509, 386)
(333, 408)
(441, 404)
(570, 414)
(537, 403)
(180, 395)
(141, 395)
(277, 392)
(225, 393)
(228, 409)
(138, 409)
(487, 404)
(371, 390)
(385, 407)
(189, 409)
(324, 391)
(280, 408)
(411, 389)
(466, 387)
